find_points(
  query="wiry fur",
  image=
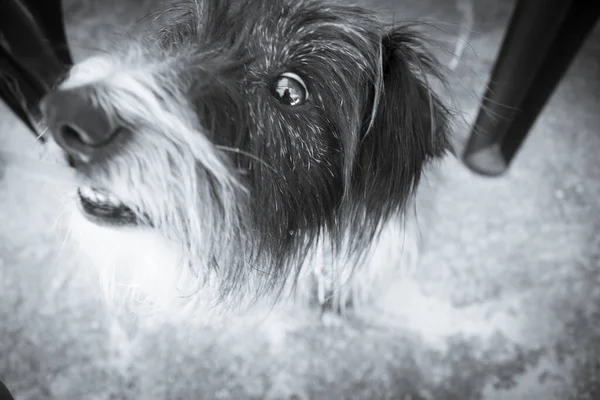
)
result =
(255, 198)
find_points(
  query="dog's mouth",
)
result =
(104, 208)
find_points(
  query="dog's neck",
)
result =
(150, 274)
(341, 280)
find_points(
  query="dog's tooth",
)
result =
(86, 191)
(112, 199)
(99, 191)
(100, 197)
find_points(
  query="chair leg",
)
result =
(49, 13)
(529, 37)
(33, 54)
(18, 88)
(4, 393)
(577, 26)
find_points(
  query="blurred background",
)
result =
(516, 257)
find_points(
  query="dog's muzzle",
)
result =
(88, 134)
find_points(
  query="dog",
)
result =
(248, 153)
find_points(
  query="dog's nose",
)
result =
(78, 123)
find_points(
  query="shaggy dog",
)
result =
(250, 153)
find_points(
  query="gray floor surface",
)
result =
(509, 276)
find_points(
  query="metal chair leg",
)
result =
(34, 54)
(542, 39)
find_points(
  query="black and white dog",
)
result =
(250, 152)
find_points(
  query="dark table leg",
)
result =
(33, 53)
(19, 89)
(4, 393)
(49, 13)
(542, 39)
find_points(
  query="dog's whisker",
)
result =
(64, 242)
(39, 136)
(61, 214)
(247, 154)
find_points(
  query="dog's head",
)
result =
(249, 132)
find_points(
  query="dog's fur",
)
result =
(245, 199)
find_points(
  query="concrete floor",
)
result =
(508, 299)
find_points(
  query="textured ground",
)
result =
(509, 300)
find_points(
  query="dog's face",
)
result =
(248, 133)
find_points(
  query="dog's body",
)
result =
(251, 152)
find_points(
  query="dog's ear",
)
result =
(405, 125)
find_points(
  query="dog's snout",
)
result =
(78, 123)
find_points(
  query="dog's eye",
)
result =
(289, 89)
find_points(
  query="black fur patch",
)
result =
(343, 162)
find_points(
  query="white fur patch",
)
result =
(137, 267)
(146, 273)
